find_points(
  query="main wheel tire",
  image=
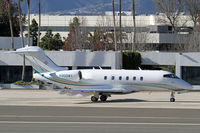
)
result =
(103, 98)
(94, 99)
(172, 99)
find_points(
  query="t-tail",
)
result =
(38, 59)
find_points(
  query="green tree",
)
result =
(34, 32)
(51, 42)
(4, 19)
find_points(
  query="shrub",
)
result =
(131, 60)
(26, 83)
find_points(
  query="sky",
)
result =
(142, 6)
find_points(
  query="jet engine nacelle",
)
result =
(75, 75)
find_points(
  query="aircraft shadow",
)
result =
(115, 101)
(135, 100)
(187, 101)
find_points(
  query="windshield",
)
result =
(170, 76)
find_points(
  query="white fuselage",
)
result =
(126, 80)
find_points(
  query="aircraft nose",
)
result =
(187, 86)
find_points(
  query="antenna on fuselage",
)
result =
(139, 68)
(100, 67)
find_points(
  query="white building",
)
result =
(149, 28)
(60, 24)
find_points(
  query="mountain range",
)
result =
(88, 7)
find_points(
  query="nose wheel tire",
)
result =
(172, 99)
(94, 99)
(103, 98)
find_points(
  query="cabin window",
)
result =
(113, 78)
(127, 77)
(134, 78)
(105, 77)
(120, 77)
(141, 78)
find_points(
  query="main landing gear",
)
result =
(95, 98)
(172, 99)
(103, 98)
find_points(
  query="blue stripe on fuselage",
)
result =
(63, 82)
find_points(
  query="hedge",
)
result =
(131, 60)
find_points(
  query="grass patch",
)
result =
(26, 83)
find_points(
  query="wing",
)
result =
(110, 91)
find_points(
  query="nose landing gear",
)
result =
(172, 99)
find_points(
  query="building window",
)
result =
(10, 74)
(134, 78)
(141, 78)
(120, 77)
(127, 77)
(105, 77)
(113, 78)
(191, 74)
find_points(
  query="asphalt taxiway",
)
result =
(38, 119)
(44, 111)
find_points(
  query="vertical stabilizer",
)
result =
(38, 59)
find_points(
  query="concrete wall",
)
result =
(108, 58)
(70, 58)
(158, 58)
(14, 86)
(5, 42)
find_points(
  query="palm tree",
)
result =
(115, 37)
(10, 22)
(21, 32)
(28, 1)
(120, 22)
(38, 40)
(134, 26)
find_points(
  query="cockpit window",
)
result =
(170, 76)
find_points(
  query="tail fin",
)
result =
(38, 59)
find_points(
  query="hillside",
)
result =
(88, 7)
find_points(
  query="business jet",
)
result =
(101, 83)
